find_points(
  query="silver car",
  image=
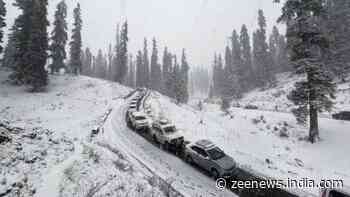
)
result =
(211, 158)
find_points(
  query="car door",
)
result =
(204, 159)
(195, 154)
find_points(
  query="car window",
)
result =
(140, 118)
(216, 153)
(169, 129)
(200, 151)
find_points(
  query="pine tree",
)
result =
(87, 63)
(2, 22)
(131, 74)
(248, 74)
(21, 32)
(154, 80)
(230, 86)
(167, 69)
(9, 53)
(139, 70)
(261, 54)
(116, 63)
(100, 69)
(145, 60)
(184, 78)
(59, 38)
(337, 27)
(309, 45)
(76, 43)
(238, 70)
(216, 77)
(110, 63)
(122, 56)
(274, 49)
(37, 47)
(177, 83)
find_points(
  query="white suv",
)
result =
(138, 120)
(166, 134)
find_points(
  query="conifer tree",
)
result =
(87, 63)
(238, 69)
(110, 63)
(139, 70)
(36, 77)
(131, 75)
(145, 60)
(9, 53)
(59, 38)
(116, 63)
(184, 78)
(21, 32)
(167, 69)
(309, 45)
(76, 43)
(261, 54)
(155, 76)
(122, 56)
(337, 27)
(248, 73)
(2, 22)
(100, 69)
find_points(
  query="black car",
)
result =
(344, 115)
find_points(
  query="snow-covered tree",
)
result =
(308, 43)
(263, 66)
(59, 38)
(156, 77)
(36, 76)
(145, 60)
(2, 22)
(167, 69)
(248, 73)
(139, 70)
(184, 78)
(9, 53)
(21, 32)
(337, 27)
(122, 56)
(76, 43)
(87, 63)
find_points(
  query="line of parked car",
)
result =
(203, 153)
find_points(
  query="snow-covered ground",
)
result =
(268, 142)
(274, 99)
(63, 160)
(51, 152)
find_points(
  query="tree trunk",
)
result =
(314, 131)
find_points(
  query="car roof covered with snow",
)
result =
(138, 114)
(205, 144)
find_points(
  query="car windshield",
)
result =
(216, 153)
(169, 129)
(140, 118)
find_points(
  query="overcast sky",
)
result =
(200, 26)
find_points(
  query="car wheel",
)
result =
(214, 173)
(189, 160)
(166, 146)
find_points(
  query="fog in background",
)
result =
(200, 26)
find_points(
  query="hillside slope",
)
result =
(48, 149)
(275, 99)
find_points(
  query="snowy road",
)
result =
(184, 178)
